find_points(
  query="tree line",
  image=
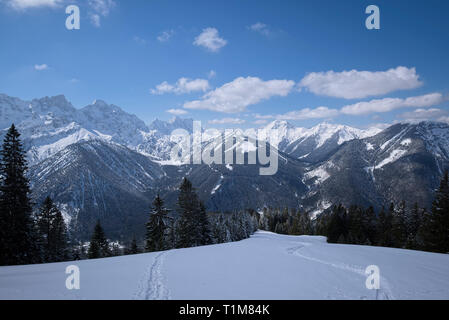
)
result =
(399, 226)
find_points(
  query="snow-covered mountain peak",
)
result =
(279, 125)
(167, 127)
(56, 104)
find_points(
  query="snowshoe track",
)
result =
(153, 286)
(384, 293)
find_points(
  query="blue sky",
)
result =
(234, 62)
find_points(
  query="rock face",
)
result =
(100, 162)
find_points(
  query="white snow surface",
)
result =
(394, 156)
(266, 266)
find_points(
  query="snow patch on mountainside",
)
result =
(394, 156)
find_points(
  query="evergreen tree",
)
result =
(204, 224)
(60, 245)
(398, 226)
(384, 237)
(337, 227)
(156, 237)
(435, 229)
(413, 224)
(17, 236)
(99, 245)
(356, 234)
(52, 232)
(44, 228)
(369, 222)
(219, 229)
(134, 248)
(188, 231)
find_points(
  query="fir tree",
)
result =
(204, 224)
(156, 237)
(398, 226)
(188, 228)
(413, 224)
(44, 228)
(384, 227)
(17, 237)
(59, 231)
(435, 229)
(52, 232)
(337, 227)
(99, 245)
(134, 248)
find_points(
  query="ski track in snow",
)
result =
(384, 293)
(153, 286)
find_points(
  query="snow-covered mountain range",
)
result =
(101, 162)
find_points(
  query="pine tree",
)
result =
(52, 232)
(99, 245)
(17, 237)
(384, 237)
(413, 224)
(60, 245)
(356, 233)
(219, 229)
(435, 229)
(204, 224)
(134, 249)
(369, 222)
(44, 228)
(157, 225)
(337, 227)
(189, 208)
(398, 226)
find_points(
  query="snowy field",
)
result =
(266, 266)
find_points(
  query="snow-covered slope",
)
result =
(266, 266)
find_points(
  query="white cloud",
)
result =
(29, 4)
(227, 121)
(261, 28)
(164, 36)
(177, 112)
(183, 85)
(360, 84)
(390, 104)
(303, 114)
(237, 95)
(425, 114)
(95, 19)
(40, 67)
(100, 8)
(210, 39)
